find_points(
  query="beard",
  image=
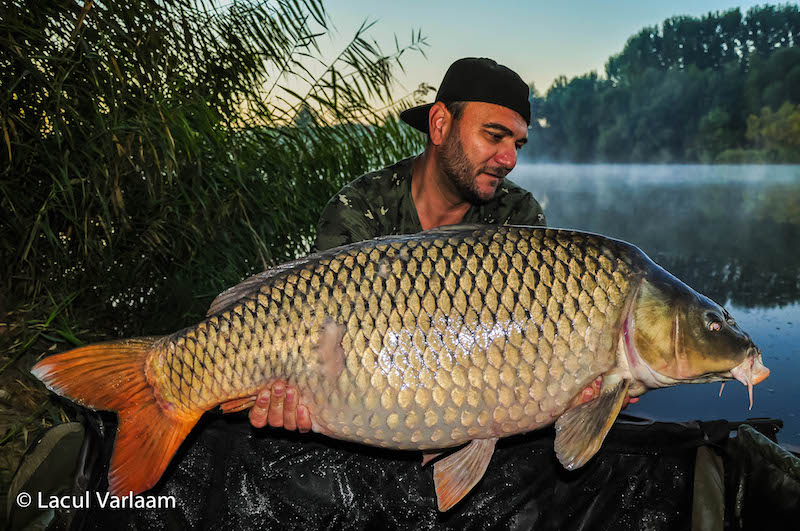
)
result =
(462, 173)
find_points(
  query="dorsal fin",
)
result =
(458, 227)
(234, 294)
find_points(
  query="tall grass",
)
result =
(156, 152)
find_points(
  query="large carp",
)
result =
(426, 341)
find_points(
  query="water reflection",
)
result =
(730, 232)
(729, 235)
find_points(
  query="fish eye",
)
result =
(713, 322)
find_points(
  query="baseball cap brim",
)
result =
(417, 117)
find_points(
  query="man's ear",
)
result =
(439, 122)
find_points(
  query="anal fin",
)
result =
(427, 457)
(580, 431)
(455, 475)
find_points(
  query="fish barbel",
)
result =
(421, 342)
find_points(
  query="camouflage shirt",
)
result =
(380, 204)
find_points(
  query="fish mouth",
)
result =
(750, 372)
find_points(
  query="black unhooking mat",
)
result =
(230, 476)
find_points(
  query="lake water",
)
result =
(730, 232)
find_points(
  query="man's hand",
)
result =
(629, 400)
(279, 407)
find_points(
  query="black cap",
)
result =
(475, 79)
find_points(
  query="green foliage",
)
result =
(714, 134)
(681, 91)
(773, 80)
(569, 109)
(744, 156)
(777, 132)
(156, 152)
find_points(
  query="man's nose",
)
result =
(507, 156)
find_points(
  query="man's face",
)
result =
(480, 149)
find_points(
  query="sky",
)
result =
(538, 39)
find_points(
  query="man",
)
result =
(475, 128)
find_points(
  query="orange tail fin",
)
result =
(111, 376)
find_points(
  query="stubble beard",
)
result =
(461, 173)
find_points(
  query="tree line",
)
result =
(724, 87)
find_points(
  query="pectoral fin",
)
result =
(580, 431)
(456, 474)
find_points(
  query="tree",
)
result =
(773, 80)
(770, 27)
(714, 135)
(777, 132)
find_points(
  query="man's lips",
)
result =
(495, 176)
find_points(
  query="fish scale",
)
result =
(445, 337)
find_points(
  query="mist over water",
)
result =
(730, 232)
